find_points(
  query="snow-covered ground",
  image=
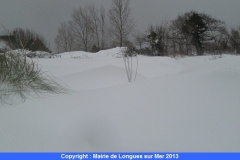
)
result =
(187, 104)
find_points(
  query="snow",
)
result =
(97, 78)
(105, 54)
(2, 44)
(186, 104)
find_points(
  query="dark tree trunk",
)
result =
(198, 44)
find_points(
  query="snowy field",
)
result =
(186, 104)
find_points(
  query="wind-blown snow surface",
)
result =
(189, 104)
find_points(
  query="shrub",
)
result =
(21, 77)
(128, 53)
(95, 49)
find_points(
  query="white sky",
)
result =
(45, 16)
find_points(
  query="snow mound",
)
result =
(114, 52)
(100, 77)
(103, 54)
(73, 54)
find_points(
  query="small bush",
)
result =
(95, 49)
(145, 51)
(128, 53)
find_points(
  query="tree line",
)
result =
(92, 28)
(192, 33)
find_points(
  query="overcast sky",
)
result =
(45, 16)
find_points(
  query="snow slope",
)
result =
(97, 77)
(189, 104)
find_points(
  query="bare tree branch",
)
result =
(121, 22)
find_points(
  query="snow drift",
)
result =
(190, 104)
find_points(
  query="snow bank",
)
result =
(103, 54)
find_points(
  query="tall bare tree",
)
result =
(103, 27)
(94, 15)
(64, 39)
(162, 38)
(121, 21)
(81, 26)
(179, 43)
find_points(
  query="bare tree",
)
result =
(180, 43)
(86, 30)
(162, 38)
(121, 22)
(235, 39)
(103, 27)
(94, 15)
(81, 26)
(139, 38)
(217, 39)
(64, 39)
